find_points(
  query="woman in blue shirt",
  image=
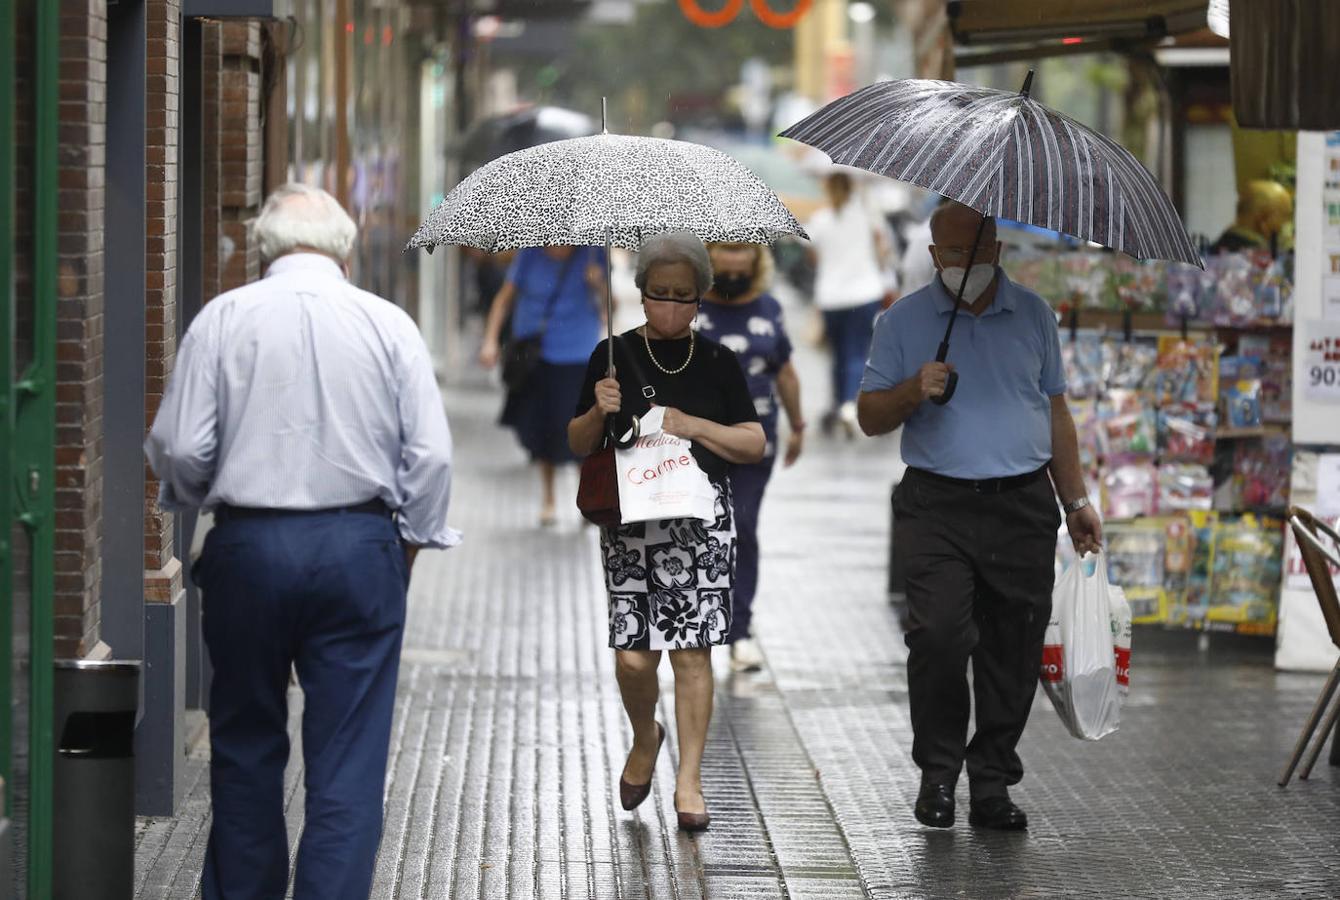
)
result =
(740, 314)
(557, 294)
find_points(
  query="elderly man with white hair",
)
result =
(305, 413)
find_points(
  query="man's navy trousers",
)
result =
(322, 592)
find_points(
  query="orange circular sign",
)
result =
(724, 16)
(772, 19)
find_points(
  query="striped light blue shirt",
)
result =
(301, 391)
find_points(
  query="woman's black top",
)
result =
(712, 387)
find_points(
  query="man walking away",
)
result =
(975, 515)
(306, 414)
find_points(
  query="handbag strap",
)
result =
(557, 289)
(648, 392)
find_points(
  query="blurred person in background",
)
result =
(850, 246)
(916, 269)
(554, 298)
(488, 272)
(1264, 212)
(740, 314)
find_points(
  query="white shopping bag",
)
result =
(1121, 638)
(1079, 655)
(659, 478)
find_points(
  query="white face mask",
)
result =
(979, 279)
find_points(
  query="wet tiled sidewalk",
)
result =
(509, 736)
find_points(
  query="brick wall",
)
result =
(242, 161)
(79, 327)
(234, 161)
(211, 78)
(163, 578)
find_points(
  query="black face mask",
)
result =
(729, 287)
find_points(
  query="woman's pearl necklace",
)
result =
(657, 363)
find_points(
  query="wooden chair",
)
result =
(1313, 537)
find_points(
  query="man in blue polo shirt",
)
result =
(976, 514)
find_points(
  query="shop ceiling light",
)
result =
(861, 13)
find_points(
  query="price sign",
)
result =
(1319, 368)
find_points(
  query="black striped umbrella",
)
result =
(1006, 155)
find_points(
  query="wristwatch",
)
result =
(1075, 506)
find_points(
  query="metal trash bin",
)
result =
(93, 780)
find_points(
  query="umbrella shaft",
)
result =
(609, 304)
(609, 324)
(962, 286)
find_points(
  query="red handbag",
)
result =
(598, 491)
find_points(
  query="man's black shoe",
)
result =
(935, 805)
(998, 813)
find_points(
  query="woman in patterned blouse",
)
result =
(740, 314)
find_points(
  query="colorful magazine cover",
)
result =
(1245, 576)
(1135, 562)
(1201, 526)
(1187, 372)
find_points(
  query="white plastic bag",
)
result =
(1079, 659)
(1121, 637)
(658, 477)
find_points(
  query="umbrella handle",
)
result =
(943, 353)
(951, 382)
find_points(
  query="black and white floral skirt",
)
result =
(670, 581)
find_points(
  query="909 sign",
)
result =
(1320, 365)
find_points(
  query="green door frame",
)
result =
(6, 390)
(29, 416)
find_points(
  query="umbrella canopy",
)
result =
(607, 189)
(1006, 155)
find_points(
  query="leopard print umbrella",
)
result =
(607, 189)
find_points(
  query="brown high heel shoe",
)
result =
(693, 823)
(631, 795)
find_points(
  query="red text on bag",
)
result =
(1123, 665)
(1053, 663)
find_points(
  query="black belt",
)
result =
(223, 512)
(984, 485)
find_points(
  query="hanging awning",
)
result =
(996, 31)
(1283, 66)
(237, 9)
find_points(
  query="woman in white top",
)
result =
(849, 244)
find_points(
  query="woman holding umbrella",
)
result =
(740, 314)
(670, 583)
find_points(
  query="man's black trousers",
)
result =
(979, 566)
